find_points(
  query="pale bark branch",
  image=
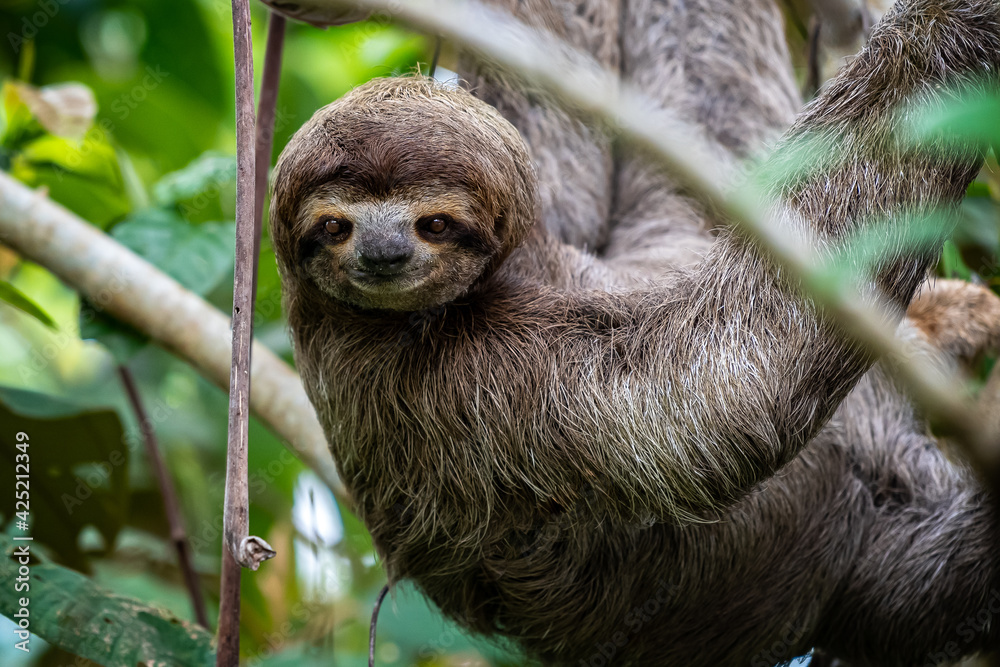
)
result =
(539, 58)
(124, 285)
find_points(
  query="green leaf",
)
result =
(68, 610)
(864, 250)
(82, 175)
(952, 264)
(175, 103)
(208, 172)
(197, 256)
(409, 621)
(801, 158)
(80, 172)
(16, 298)
(63, 109)
(391, 46)
(978, 189)
(78, 468)
(970, 114)
(19, 126)
(978, 224)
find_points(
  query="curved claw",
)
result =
(254, 551)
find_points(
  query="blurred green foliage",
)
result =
(123, 112)
(70, 609)
(81, 484)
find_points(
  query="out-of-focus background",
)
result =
(150, 159)
(124, 112)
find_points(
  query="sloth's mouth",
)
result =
(376, 276)
(396, 281)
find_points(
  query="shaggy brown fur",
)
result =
(653, 455)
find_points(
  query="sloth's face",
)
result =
(401, 195)
(410, 250)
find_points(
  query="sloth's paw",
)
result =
(959, 318)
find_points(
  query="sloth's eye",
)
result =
(436, 224)
(336, 226)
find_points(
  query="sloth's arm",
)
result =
(573, 160)
(677, 403)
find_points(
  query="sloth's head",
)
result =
(401, 195)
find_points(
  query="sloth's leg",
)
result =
(722, 65)
(926, 588)
(573, 161)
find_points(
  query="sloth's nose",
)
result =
(385, 260)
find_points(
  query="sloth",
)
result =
(579, 417)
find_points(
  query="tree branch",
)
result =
(248, 550)
(266, 106)
(239, 548)
(134, 291)
(541, 59)
(175, 520)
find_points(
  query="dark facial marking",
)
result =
(329, 230)
(455, 232)
(338, 229)
(432, 226)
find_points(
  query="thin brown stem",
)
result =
(175, 520)
(374, 622)
(238, 546)
(813, 72)
(126, 286)
(435, 57)
(228, 652)
(266, 106)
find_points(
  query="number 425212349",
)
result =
(22, 460)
